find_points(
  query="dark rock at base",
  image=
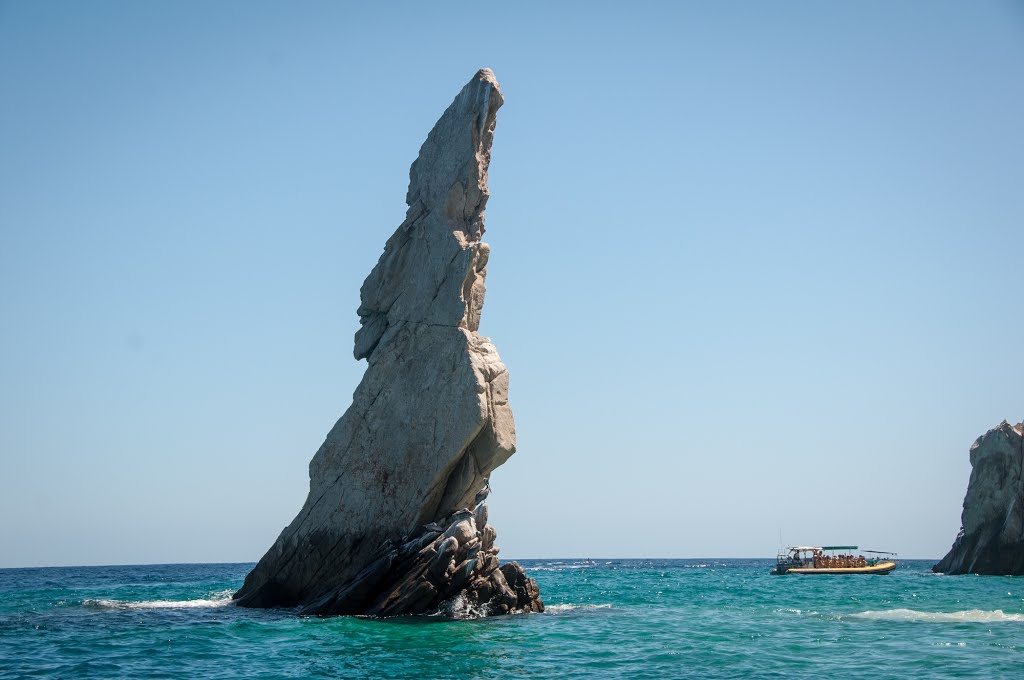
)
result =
(443, 573)
(991, 538)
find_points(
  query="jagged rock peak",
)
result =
(991, 538)
(432, 270)
(396, 520)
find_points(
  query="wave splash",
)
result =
(968, 616)
(221, 599)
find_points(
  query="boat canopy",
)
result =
(839, 547)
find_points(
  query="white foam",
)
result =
(967, 616)
(562, 608)
(221, 599)
(799, 612)
(460, 608)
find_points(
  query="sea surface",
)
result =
(605, 619)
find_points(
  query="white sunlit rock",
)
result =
(401, 472)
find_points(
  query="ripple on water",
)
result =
(564, 608)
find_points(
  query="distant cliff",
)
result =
(991, 539)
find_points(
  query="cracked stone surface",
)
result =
(395, 520)
(991, 539)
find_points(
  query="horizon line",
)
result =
(533, 559)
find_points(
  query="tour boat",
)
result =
(833, 559)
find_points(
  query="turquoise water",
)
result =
(606, 619)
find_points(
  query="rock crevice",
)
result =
(402, 471)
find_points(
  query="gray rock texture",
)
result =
(991, 539)
(394, 522)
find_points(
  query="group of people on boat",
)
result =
(833, 560)
(823, 561)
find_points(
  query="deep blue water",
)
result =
(605, 619)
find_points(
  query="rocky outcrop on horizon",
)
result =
(991, 538)
(396, 517)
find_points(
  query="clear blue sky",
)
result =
(756, 266)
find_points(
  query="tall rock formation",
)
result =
(396, 518)
(991, 539)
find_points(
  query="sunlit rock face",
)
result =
(991, 540)
(396, 517)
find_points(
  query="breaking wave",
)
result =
(968, 616)
(221, 599)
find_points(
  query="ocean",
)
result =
(712, 618)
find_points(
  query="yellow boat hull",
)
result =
(880, 568)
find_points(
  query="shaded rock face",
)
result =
(395, 520)
(991, 540)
